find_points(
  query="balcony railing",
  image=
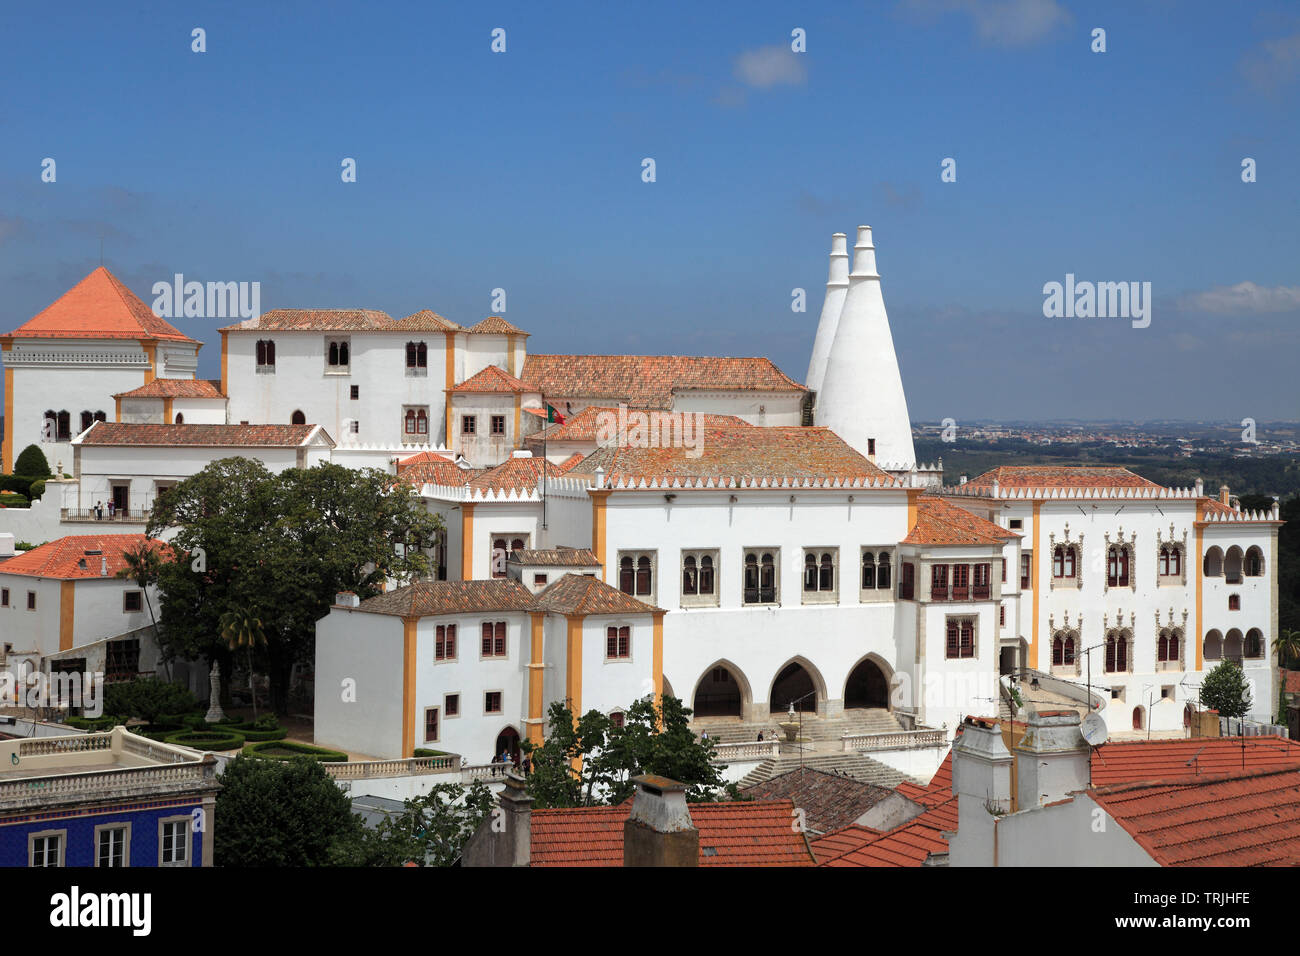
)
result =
(413, 766)
(960, 593)
(980, 592)
(133, 515)
(939, 593)
(485, 771)
(894, 740)
(746, 750)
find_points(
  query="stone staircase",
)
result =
(817, 730)
(855, 765)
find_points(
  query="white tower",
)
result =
(861, 398)
(837, 286)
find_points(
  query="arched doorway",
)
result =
(719, 694)
(1138, 718)
(507, 742)
(794, 683)
(298, 418)
(867, 686)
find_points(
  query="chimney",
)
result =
(504, 838)
(1051, 758)
(103, 566)
(837, 286)
(863, 351)
(521, 453)
(981, 764)
(347, 599)
(659, 831)
(1223, 495)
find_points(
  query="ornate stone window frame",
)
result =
(1131, 547)
(1173, 625)
(959, 620)
(1076, 582)
(1126, 631)
(1066, 629)
(1173, 541)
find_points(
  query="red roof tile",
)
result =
(649, 381)
(433, 469)
(1060, 476)
(568, 463)
(830, 801)
(98, 307)
(515, 474)
(737, 454)
(938, 790)
(585, 426)
(1235, 820)
(492, 379)
(63, 558)
(1142, 761)
(555, 558)
(316, 320)
(426, 320)
(580, 594)
(907, 845)
(495, 325)
(749, 833)
(175, 388)
(434, 598)
(939, 522)
(203, 436)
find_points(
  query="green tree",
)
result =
(143, 563)
(279, 547)
(239, 629)
(592, 761)
(147, 698)
(32, 463)
(276, 813)
(431, 830)
(1225, 690)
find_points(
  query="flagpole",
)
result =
(547, 409)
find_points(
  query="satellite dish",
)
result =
(1094, 729)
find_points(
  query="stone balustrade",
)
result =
(412, 766)
(894, 740)
(747, 750)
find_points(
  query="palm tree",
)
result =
(1287, 648)
(241, 629)
(142, 565)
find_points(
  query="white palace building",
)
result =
(702, 527)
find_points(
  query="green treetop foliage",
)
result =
(274, 813)
(278, 548)
(431, 830)
(652, 740)
(32, 463)
(1225, 690)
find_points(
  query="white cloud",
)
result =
(999, 22)
(1243, 298)
(770, 66)
(1273, 63)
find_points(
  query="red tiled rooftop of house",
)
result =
(495, 325)
(830, 801)
(492, 378)
(67, 558)
(204, 436)
(426, 320)
(315, 320)
(175, 388)
(940, 522)
(98, 307)
(430, 468)
(555, 557)
(938, 790)
(740, 454)
(1237, 819)
(581, 594)
(587, 425)
(748, 833)
(433, 598)
(1060, 476)
(1141, 761)
(515, 474)
(649, 381)
(568, 463)
(907, 845)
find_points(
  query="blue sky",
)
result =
(522, 170)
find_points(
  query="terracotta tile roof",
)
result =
(316, 320)
(748, 833)
(938, 790)
(583, 426)
(568, 463)
(431, 598)
(1292, 684)
(649, 381)
(492, 379)
(1060, 476)
(1144, 761)
(426, 320)
(175, 388)
(580, 594)
(203, 436)
(556, 558)
(98, 307)
(63, 558)
(1215, 506)
(433, 469)
(939, 522)
(749, 453)
(1235, 820)
(828, 800)
(906, 845)
(515, 474)
(495, 325)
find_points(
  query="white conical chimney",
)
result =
(837, 286)
(861, 398)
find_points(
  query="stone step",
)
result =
(815, 729)
(854, 765)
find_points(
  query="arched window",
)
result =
(767, 577)
(87, 419)
(868, 571)
(1232, 645)
(1254, 643)
(1137, 718)
(180, 419)
(408, 425)
(422, 422)
(810, 572)
(1164, 562)
(298, 418)
(1058, 651)
(1213, 646)
(1169, 647)
(1063, 649)
(101, 417)
(882, 569)
(1175, 560)
(1254, 566)
(642, 574)
(1232, 565)
(826, 575)
(1117, 566)
(690, 576)
(265, 353)
(49, 425)
(706, 574)
(1116, 651)
(627, 576)
(64, 426)
(1214, 563)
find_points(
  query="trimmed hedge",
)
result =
(13, 501)
(94, 723)
(207, 739)
(255, 734)
(288, 749)
(422, 752)
(37, 489)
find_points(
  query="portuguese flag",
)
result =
(553, 417)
